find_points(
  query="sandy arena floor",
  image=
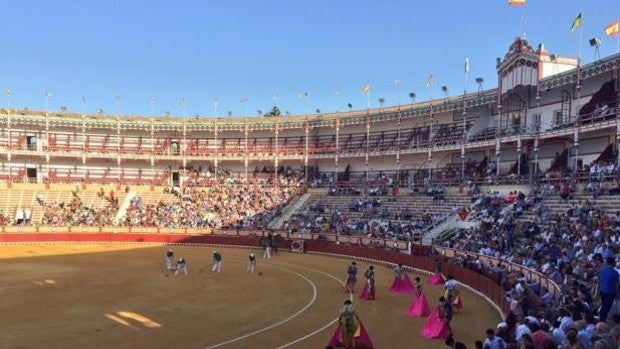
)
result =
(103, 296)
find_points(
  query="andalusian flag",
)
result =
(516, 2)
(613, 29)
(429, 80)
(366, 89)
(576, 23)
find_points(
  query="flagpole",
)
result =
(524, 18)
(577, 120)
(580, 35)
(464, 140)
(429, 83)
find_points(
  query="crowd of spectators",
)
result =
(366, 216)
(578, 250)
(226, 205)
(76, 213)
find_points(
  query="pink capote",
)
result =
(419, 307)
(436, 279)
(368, 293)
(435, 327)
(458, 303)
(402, 286)
(362, 339)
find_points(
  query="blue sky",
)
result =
(203, 50)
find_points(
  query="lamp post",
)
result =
(244, 101)
(48, 95)
(8, 97)
(117, 101)
(152, 99)
(182, 105)
(82, 101)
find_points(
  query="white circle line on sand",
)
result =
(279, 323)
(324, 327)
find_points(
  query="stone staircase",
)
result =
(418, 204)
(295, 205)
(609, 204)
(447, 229)
(122, 209)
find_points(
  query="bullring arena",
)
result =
(504, 200)
(59, 291)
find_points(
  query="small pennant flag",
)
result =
(182, 101)
(613, 29)
(366, 89)
(398, 82)
(516, 2)
(8, 91)
(303, 94)
(243, 99)
(466, 65)
(429, 81)
(576, 23)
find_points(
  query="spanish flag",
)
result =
(366, 89)
(516, 2)
(576, 23)
(613, 29)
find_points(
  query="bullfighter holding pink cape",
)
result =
(350, 333)
(437, 325)
(437, 278)
(368, 292)
(419, 303)
(402, 284)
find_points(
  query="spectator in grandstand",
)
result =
(453, 344)
(609, 286)
(493, 342)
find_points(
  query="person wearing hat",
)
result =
(350, 333)
(251, 263)
(349, 286)
(169, 260)
(217, 262)
(451, 287)
(181, 265)
(609, 285)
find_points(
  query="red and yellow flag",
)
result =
(516, 2)
(613, 29)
